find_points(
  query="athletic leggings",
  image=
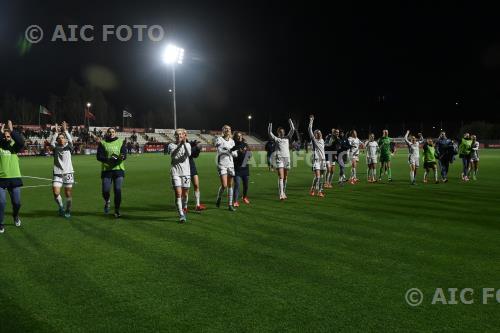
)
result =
(444, 165)
(117, 189)
(465, 163)
(15, 198)
(237, 180)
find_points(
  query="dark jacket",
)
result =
(241, 160)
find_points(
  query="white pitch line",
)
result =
(36, 186)
(37, 178)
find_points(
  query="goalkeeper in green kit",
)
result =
(384, 144)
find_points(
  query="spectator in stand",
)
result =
(129, 147)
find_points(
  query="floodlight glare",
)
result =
(249, 117)
(173, 54)
(88, 104)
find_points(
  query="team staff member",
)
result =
(241, 168)
(111, 152)
(195, 152)
(11, 143)
(445, 152)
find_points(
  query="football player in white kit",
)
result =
(318, 160)
(180, 171)
(474, 157)
(371, 147)
(62, 145)
(354, 142)
(225, 165)
(282, 155)
(413, 154)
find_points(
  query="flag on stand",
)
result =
(89, 115)
(127, 114)
(43, 110)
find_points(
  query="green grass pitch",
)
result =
(343, 262)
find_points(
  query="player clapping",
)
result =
(180, 171)
(11, 143)
(62, 145)
(225, 166)
(413, 154)
(282, 155)
(318, 159)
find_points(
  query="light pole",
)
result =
(87, 115)
(171, 56)
(249, 120)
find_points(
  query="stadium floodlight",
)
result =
(89, 104)
(173, 55)
(249, 120)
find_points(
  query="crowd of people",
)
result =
(233, 154)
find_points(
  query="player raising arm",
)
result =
(413, 154)
(282, 155)
(318, 159)
(225, 165)
(180, 171)
(62, 145)
(11, 143)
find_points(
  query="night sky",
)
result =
(272, 61)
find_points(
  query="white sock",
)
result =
(412, 176)
(185, 201)
(59, 201)
(178, 203)
(435, 175)
(313, 186)
(321, 182)
(425, 175)
(230, 195)
(197, 196)
(284, 185)
(69, 202)
(354, 173)
(280, 186)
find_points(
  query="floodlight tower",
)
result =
(173, 55)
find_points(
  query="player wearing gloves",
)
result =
(112, 153)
